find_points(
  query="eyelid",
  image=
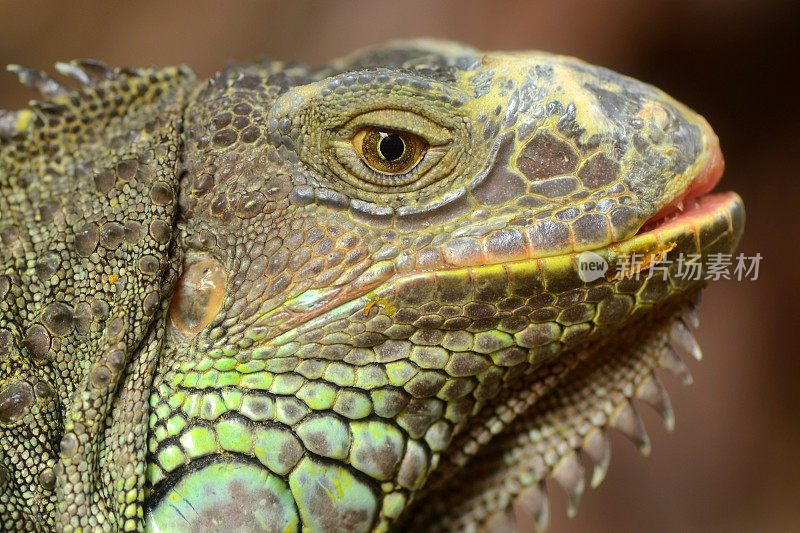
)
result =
(399, 120)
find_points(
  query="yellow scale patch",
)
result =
(649, 259)
(374, 300)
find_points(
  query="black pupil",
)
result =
(391, 146)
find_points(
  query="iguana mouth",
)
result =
(692, 214)
(696, 201)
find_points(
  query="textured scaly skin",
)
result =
(344, 350)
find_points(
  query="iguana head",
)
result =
(409, 287)
(381, 274)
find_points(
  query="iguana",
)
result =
(340, 298)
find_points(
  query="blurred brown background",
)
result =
(732, 463)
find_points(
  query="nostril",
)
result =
(656, 114)
(198, 296)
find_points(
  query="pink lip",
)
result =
(694, 209)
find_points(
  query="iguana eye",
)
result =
(387, 151)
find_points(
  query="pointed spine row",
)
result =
(569, 472)
(56, 97)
